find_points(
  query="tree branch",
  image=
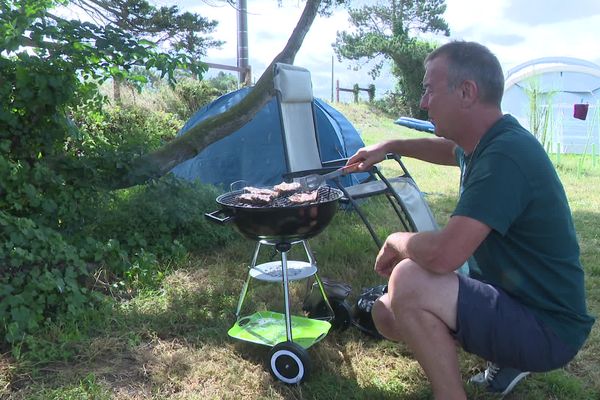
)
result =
(204, 133)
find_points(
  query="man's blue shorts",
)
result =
(491, 324)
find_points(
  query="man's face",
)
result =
(439, 102)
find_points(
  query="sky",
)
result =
(516, 31)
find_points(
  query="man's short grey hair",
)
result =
(472, 61)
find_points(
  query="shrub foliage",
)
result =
(66, 240)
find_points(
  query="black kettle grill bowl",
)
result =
(278, 223)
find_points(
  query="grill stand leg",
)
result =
(362, 216)
(283, 248)
(313, 261)
(242, 298)
(325, 297)
(247, 283)
(309, 253)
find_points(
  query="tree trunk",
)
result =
(182, 148)
(116, 90)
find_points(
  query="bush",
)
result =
(163, 219)
(148, 224)
(59, 151)
(59, 227)
(394, 105)
(126, 130)
(41, 278)
(188, 97)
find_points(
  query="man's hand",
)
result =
(369, 156)
(392, 252)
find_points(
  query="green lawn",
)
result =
(172, 343)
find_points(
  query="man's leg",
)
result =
(420, 310)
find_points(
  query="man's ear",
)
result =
(469, 93)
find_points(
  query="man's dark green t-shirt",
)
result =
(510, 184)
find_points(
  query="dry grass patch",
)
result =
(6, 374)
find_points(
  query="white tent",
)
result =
(558, 83)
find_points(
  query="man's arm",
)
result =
(434, 150)
(440, 251)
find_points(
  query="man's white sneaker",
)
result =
(498, 379)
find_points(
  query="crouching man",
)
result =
(522, 306)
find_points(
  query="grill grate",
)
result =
(325, 193)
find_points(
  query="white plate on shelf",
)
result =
(272, 272)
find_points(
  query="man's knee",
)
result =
(413, 290)
(384, 319)
(406, 284)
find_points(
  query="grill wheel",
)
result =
(289, 363)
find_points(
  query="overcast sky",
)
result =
(515, 30)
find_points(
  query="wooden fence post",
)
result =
(355, 90)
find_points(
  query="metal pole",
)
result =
(242, 41)
(283, 248)
(247, 283)
(332, 79)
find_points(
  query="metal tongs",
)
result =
(314, 181)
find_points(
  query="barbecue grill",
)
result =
(282, 224)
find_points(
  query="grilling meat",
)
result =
(261, 191)
(283, 189)
(255, 199)
(301, 198)
(253, 196)
(257, 196)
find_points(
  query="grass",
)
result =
(172, 343)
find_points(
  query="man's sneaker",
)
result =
(498, 379)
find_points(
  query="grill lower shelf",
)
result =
(268, 328)
(271, 271)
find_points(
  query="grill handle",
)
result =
(222, 216)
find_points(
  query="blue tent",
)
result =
(255, 153)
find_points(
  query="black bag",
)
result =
(361, 311)
(336, 293)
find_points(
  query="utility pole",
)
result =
(332, 79)
(242, 42)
